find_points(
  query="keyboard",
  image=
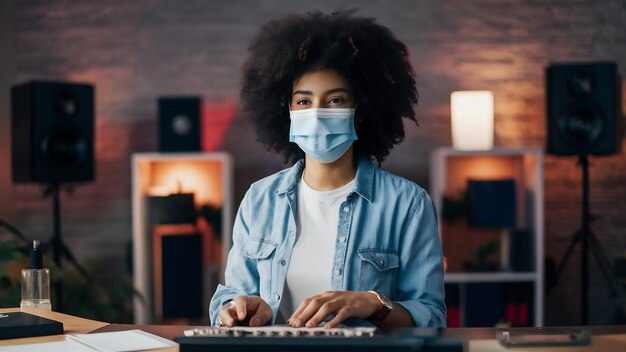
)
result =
(282, 331)
(284, 338)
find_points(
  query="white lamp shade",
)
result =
(472, 119)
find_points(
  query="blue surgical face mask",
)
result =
(323, 134)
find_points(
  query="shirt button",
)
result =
(337, 272)
(291, 233)
(342, 239)
(346, 209)
(283, 262)
(277, 296)
(382, 262)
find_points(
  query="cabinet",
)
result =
(182, 219)
(492, 273)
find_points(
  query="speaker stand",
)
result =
(59, 249)
(588, 240)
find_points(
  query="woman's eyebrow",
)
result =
(336, 90)
(330, 91)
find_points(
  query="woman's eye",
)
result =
(336, 101)
(302, 102)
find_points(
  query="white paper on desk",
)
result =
(122, 341)
(56, 346)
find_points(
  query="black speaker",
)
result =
(583, 109)
(179, 124)
(52, 132)
(182, 276)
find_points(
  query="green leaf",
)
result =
(9, 252)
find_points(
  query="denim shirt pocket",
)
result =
(261, 251)
(378, 270)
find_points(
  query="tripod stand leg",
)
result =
(56, 241)
(566, 256)
(70, 257)
(58, 247)
(616, 289)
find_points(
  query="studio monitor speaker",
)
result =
(583, 109)
(52, 125)
(179, 124)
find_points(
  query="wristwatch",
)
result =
(386, 307)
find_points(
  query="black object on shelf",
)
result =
(453, 305)
(182, 275)
(521, 251)
(175, 208)
(518, 304)
(491, 203)
(484, 304)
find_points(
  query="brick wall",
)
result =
(135, 51)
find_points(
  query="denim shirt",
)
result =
(387, 241)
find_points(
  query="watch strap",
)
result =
(385, 307)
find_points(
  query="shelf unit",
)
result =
(450, 171)
(206, 176)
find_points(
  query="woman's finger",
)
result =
(299, 311)
(241, 307)
(324, 311)
(228, 316)
(340, 316)
(308, 311)
(262, 316)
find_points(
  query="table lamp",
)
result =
(472, 119)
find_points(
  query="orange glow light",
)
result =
(202, 178)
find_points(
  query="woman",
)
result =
(334, 236)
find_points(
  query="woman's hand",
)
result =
(343, 304)
(250, 310)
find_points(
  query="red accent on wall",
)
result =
(216, 118)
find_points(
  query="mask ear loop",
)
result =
(360, 119)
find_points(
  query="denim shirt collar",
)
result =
(363, 184)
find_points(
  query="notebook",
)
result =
(20, 324)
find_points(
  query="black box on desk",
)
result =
(19, 324)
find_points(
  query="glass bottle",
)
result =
(36, 282)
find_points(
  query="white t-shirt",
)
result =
(310, 267)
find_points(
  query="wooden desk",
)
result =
(604, 338)
(76, 325)
(71, 325)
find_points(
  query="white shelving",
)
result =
(450, 170)
(210, 177)
(489, 277)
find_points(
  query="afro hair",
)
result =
(366, 54)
